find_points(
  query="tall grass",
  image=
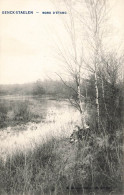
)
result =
(58, 166)
(45, 162)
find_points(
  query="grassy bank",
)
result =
(57, 166)
(44, 161)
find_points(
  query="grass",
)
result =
(45, 162)
(56, 166)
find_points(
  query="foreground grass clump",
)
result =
(37, 170)
(58, 166)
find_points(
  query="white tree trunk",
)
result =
(83, 121)
(97, 97)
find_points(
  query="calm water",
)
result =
(57, 119)
(43, 103)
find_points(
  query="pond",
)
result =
(55, 118)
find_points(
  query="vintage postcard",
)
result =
(61, 97)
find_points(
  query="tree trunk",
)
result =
(97, 97)
(81, 105)
(103, 96)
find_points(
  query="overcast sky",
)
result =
(28, 42)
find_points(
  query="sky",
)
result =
(28, 43)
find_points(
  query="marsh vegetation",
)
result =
(38, 158)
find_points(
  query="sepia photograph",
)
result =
(61, 97)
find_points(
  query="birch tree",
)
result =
(95, 24)
(92, 20)
(73, 63)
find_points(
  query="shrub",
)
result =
(3, 115)
(22, 112)
(17, 112)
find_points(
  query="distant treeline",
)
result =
(47, 87)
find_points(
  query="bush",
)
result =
(17, 112)
(3, 115)
(22, 112)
